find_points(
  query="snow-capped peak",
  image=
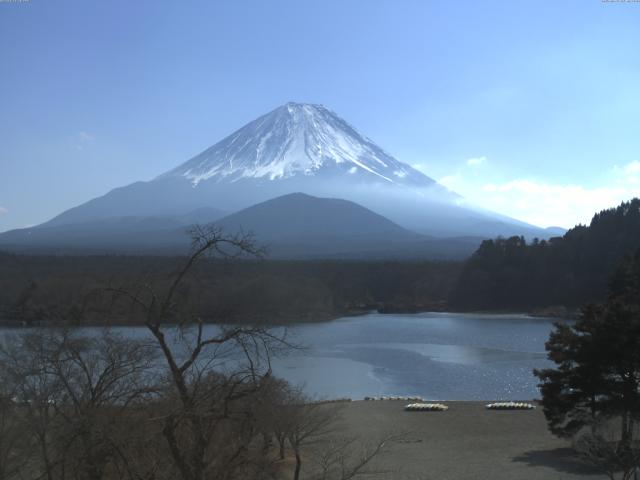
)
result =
(297, 139)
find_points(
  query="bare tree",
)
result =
(15, 451)
(602, 448)
(22, 370)
(102, 407)
(274, 413)
(74, 393)
(310, 423)
(214, 371)
(314, 430)
(347, 457)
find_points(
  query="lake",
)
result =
(439, 356)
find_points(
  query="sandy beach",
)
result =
(465, 442)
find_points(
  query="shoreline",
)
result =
(10, 323)
(467, 441)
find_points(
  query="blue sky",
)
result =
(529, 108)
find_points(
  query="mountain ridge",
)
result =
(296, 138)
(300, 148)
(296, 226)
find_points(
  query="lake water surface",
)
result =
(439, 356)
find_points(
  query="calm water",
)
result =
(435, 355)
(439, 356)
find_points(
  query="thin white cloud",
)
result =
(475, 161)
(628, 175)
(421, 167)
(455, 180)
(450, 181)
(632, 168)
(3, 210)
(546, 203)
(81, 139)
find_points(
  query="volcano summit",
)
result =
(298, 139)
(295, 148)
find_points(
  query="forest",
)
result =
(184, 403)
(33, 288)
(553, 276)
(568, 271)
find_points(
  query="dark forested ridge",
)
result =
(502, 275)
(34, 288)
(564, 271)
(294, 226)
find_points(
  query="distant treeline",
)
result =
(49, 288)
(569, 271)
(503, 274)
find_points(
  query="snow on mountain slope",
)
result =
(299, 148)
(298, 139)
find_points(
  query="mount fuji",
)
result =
(298, 140)
(295, 148)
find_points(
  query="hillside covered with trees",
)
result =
(505, 274)
(509, 273)
(36, 289)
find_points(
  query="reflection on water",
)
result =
(439, 356)
(435, 355)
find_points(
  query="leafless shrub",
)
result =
(603, 448)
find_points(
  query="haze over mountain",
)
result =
(301, 226)
(294, 148)
(291, 226)
(127, 233)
